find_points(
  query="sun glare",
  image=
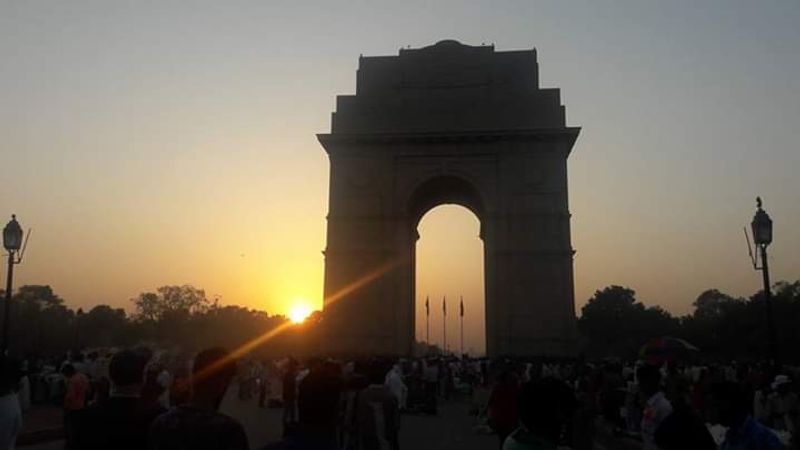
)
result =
(299, 313)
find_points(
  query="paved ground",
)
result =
(452, 428)
(53, 445)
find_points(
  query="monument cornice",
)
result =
(493, 217)
(567, 135)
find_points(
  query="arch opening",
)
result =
(444, 190)
(450, 264)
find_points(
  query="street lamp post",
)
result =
(12, 241)
(761, 227)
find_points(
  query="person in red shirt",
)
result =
(503, 405)
(77, 385)
(77, 389)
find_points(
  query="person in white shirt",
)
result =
(10, 411)
(164, 380)
(79, 363)
(656, 407)
(394, 381)
(782, 405)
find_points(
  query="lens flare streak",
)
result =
(258, 340)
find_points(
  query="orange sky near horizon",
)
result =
(154, 144)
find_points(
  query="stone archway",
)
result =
(449, 123)
(444, 189)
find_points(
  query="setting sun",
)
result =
(299, 313)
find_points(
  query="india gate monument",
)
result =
(449, 124)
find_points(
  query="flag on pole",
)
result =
(444, 323)
(427, 321)
(461, 311)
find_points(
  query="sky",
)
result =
(163, 142)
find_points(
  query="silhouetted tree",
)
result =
(104, 326)
(786, 311)
(719, 325)
(178, 317)
(723, 327)
(40, 296)
(169, 300)
(40, 322)
(615, 324)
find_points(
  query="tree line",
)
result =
(612, 324)
(179, 318)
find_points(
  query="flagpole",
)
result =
(427, 322)
(444, 324)
(462, 326)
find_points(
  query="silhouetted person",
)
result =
(431, 375)
(447, 381)
(319, 399)
(152, 390)
(730, 408)
(502, 412)
(394, 381)
(77, 391)
(683, 430)
(676, 386)
(10, 411)
(289, 396)
(318, 411)
(198, 425)
(700, 392)
(263, 383)
(122, 421)
(180, 390)
(543, 407)
(656, 407)
(79, 364)
(782, 405)
(377, 413)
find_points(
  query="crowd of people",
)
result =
(135, 399)
(662, 406)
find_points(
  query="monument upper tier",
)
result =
(448, 87)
